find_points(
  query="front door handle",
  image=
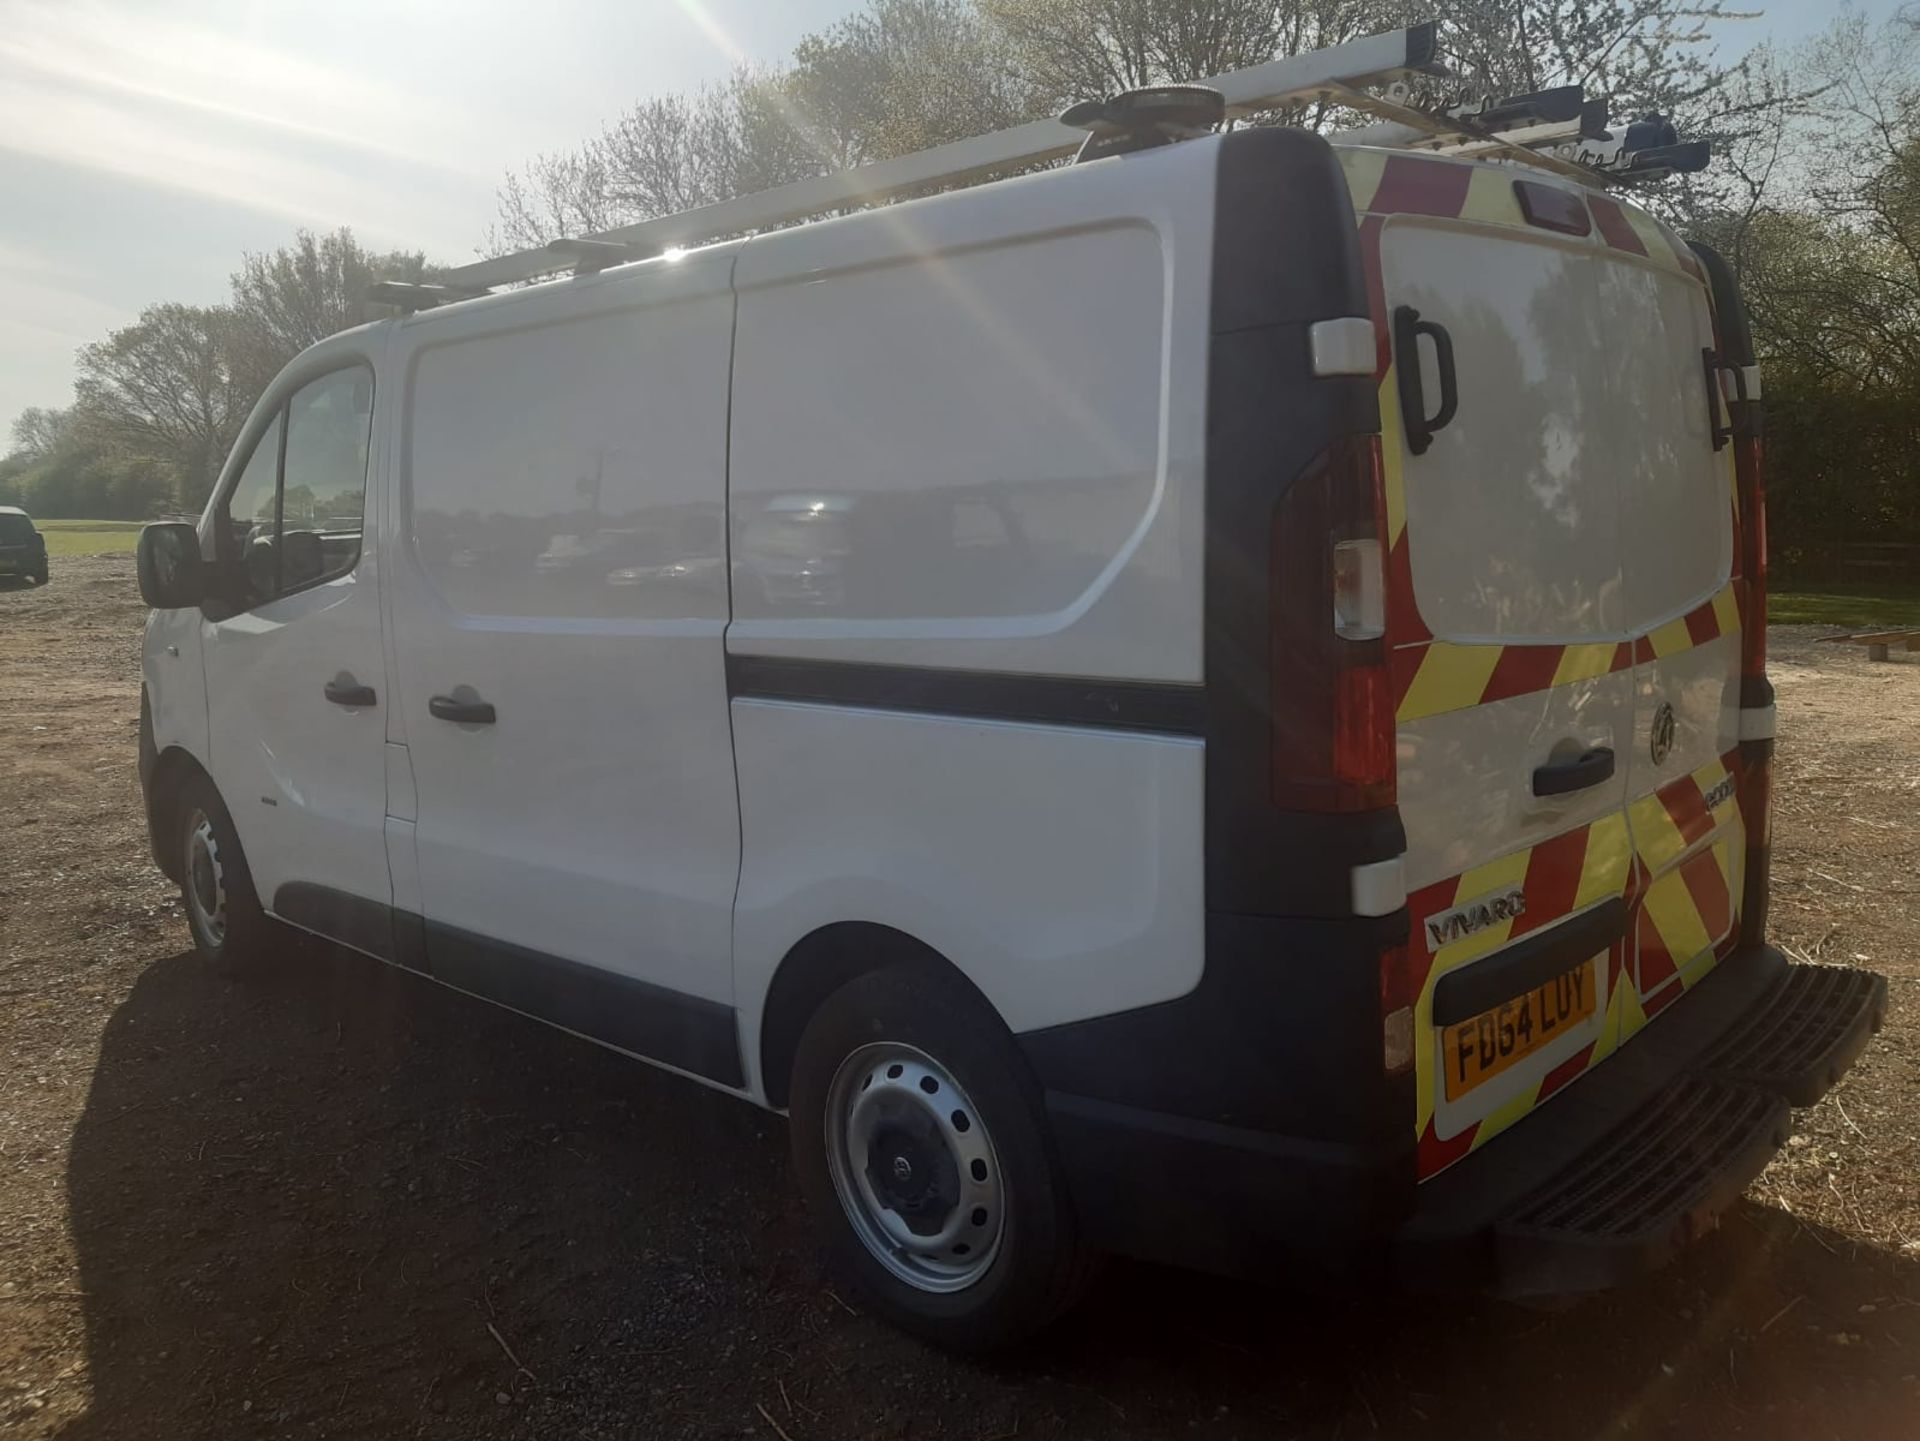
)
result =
(462, 712)
(1590, 768)
(345, 690)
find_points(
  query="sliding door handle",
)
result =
(343, 689)
(461, 712)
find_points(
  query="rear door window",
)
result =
(1514, 511)
(1676, 502)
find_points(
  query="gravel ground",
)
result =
(339, 1202)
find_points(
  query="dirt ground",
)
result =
(340, 1202)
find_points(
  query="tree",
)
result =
(39, 430)
(168, 388)
(662, 156)
(898, 76)
(1641, 55)
(1086, 49)
(905, 75)
(302, 293)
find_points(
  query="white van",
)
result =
(1207, 704)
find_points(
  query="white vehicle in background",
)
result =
(1237, 733)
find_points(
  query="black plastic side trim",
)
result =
(410, 942)
(690, 1033)
(1460, 995)
(1282, 1035)
(988, 695)
(687, 1032)
(1238, 1202)
(338, 915)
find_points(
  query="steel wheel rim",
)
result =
(206, 886)
(914, 1168)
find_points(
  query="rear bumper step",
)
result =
(1807, 1036)
(1658, 1182)
(1643, 1156)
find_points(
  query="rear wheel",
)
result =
(40, 575)
(216, 888)
(921, 1144)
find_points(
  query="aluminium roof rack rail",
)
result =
(408, 296)
(1369, 60)
(1557, 130)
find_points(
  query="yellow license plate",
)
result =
(1479, 1049)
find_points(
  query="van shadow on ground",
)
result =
(337, 1201)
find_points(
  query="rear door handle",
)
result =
(348, 691)
(1415, 423)
(1588, 769)
(463, 712)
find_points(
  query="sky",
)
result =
(146, 144)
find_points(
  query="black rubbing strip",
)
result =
(688, 1032)
(339, 916)
(987, 695)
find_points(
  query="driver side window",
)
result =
(247, 527)
(293, 517)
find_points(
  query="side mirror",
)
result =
(168, 561)
(301, 559)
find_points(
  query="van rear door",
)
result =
(1535, 537)
(1676, 480)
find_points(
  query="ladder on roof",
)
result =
(1342, 75)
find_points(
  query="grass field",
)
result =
(1846, 605)
(89, 537)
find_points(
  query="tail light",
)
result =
(1330, 698)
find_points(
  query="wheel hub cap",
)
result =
(206, 882)
(914, 1167)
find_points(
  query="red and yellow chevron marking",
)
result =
(1560, 876)
(1689, 909)
(1683, 898)
(1432, 677)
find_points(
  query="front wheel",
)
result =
(921, 1144)
(216, 887)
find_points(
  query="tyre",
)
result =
(223, 912)
(40, 576)
(921, 1145)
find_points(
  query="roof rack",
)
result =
(1557, 130)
